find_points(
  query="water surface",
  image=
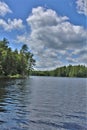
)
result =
(43, 103)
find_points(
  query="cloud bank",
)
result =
(54, 40)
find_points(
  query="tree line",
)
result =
(65, 71)
(21, 63)
(15, 62)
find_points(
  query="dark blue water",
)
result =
(43, 103)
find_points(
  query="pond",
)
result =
(43, 103)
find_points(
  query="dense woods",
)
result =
(15, 63)
(20, 63)
(65, 71)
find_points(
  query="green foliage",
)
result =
(69, 71)
(14, 62)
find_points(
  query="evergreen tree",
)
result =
(14, 62)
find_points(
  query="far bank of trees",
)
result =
(15, 62)
(22, 62)
(65, 71)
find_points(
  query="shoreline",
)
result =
(24, 77)
(13, 77)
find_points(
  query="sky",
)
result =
(54, 30)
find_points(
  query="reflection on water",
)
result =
(43, 103)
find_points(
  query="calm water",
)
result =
(43, 103)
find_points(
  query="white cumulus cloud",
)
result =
(53, 38)
(4, 9)
(82, 6)
(11, 24)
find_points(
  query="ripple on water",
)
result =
(43, 103)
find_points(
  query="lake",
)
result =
(43, 103)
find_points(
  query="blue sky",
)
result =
(54, 30)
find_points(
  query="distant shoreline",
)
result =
(64, 71)
(56, 76)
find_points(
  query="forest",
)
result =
(17, 63)
(20, 63)
(65, 71)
